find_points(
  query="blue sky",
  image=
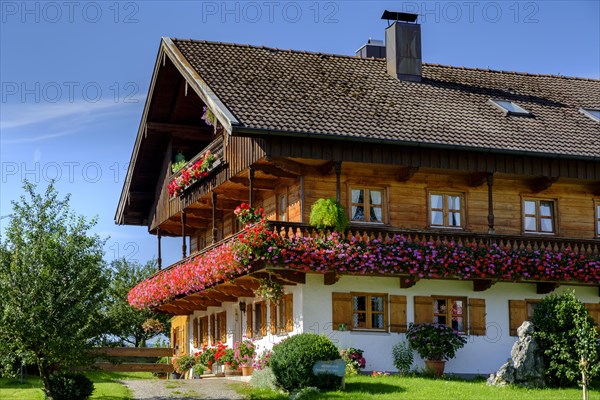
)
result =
(74, 75)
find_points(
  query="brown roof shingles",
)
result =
(302, 92)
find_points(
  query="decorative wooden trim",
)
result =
(407, 281)
(545, 287)
(481, 285)
(477, 179)
(541, 183)
(405, 174)
(330, 278)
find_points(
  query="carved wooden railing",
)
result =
(166, 206)
(588, 247)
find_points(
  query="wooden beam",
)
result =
(291, 276)
(234, 290)
(274, 171)
(405, 174)
(203, 213)
(480, 285)
(407, 281)
(134, 367)
(541, 183)
(192, 132)
(247, 282)
(257, 184)
(595, 188)
(134, 351)
(266, 276)
(477, 179)
(222, 204)
(330, 278)
(218, 296)
(545, 287)
(296, 168)
(241, 196)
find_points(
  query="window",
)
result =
(260, 320)
(369, 311)
(282, 207)
(450, 311)
(538, 216)
(282, 315)
(510, 108)
(366, 205)
(446, 210)
(591, 113)
(597, 217)
(221, 327)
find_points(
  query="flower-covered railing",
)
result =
(376, 252)
(197, 169)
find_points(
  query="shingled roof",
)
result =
(295, 92)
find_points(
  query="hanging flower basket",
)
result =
(269, 290)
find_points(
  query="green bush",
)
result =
(70, 386)
(565, 331)
(328, 214)
(403, 357)
(264, 379)
(293, 359)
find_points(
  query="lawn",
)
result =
(105, 386)
(420, 388)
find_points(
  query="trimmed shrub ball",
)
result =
(293, 359)
(70, 386)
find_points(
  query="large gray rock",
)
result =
(526, 367)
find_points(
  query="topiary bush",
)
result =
(565, 331)
(328, 214)
(293, 359)
(70, 386)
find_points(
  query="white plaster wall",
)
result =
(481, 355)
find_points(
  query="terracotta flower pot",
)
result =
(247, 370)
(436, 367)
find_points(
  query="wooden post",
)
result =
(183, 245)
(159, 236)
(214, 218)
(338, 173)
(490, 184)
(251, 184)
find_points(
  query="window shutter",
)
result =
(289, 312)
(195, 331)
(263, 319)
(517, 313)
(397, 313)
(205, 331)
(423, 310)
(223, 326)
(213, 338)
(273, 317)
(477, 317)
(594, 310)
(342, 310)
(249, 321)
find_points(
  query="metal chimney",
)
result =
(403, 46)
(373, 48)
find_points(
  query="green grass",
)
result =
(105, 386)
(421, 388)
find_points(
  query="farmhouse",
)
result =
(471, 194)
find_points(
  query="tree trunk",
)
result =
(45, 375)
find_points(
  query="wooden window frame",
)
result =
(446, 211)
(369, 312)
(286, 212)
(203, 331)
(260, 320)
(597, 217)
(448, 315)
(538, 218)
(367, 206)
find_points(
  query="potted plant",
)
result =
(328, 214)
(354, 360)
(206, 357)
(183, 364)
(228, 360)
(198, 370)
(244, 353)
(248, 215)
(435, 343)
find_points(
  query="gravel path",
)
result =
(184, 389)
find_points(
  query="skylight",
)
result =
(591, 113)
(510, 108)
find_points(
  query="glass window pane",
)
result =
(375, 197)
(360, 303)
(440, 319)
(457, 307)
(377, 321)
(454, 202)
(377, 303)
(376, 214)
(436, 201)
(545, 209)
(529, 207)
(530, 224)
(358, 213)
(458, 323)
(437, 218)
(358, 196)
(454, 219)
(546, 225)
(439, 306)
(360, 320)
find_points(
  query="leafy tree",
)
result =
(51, 283)
(568, 339)
(126, 323)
